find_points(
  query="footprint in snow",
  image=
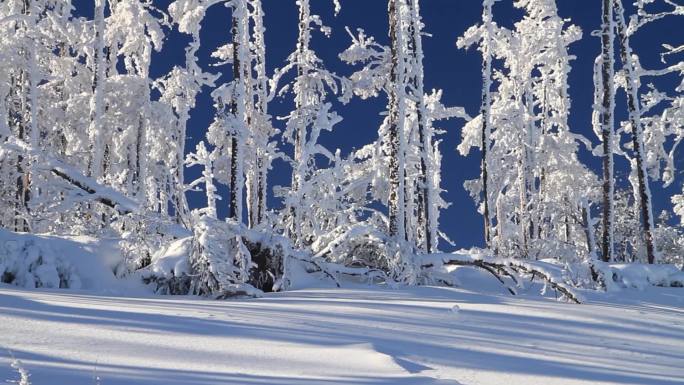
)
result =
(456, 310)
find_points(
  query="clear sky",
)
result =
(455, 71)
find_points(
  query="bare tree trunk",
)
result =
(139, 180)
(180, 202)
(485, 114)
(632, 90)
(607, 109)
(257, 203)
(237, 74)
(261, 191)
(24, 120)
(263, 157)
(298, 174)
(426, 185)
(396, 199)
(18, 124)
(96, 100)
(588, 230)
(234, 158)
(236, 155)
(23, 194)
(522, 99)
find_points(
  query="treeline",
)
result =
(93, 145)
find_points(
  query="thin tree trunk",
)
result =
(485, 113)
(527, 224)
(22, 191)
(96, 100)
(607, 109)
(395, 130)
(588, 230)
(178, 189)
(426, 185)
(139, 181)
(258, 206)
(522, 96)
(25, 127)
(298, 174)
(632, 90)
(238, 110)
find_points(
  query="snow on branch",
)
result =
(18, 366)
(90, 189)
(97, 192)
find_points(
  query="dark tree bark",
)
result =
(234, 209)
(94, 166)
(607, 109)
(396, 193)
(485, 113)
(425, 195)
(632, 91)
(300, 131)
(90, 189)
(20, 115)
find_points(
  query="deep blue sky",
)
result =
(455, 71)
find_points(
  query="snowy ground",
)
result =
(344, 336)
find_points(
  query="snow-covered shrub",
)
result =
(217, 260)
(629, 242)
(141, 237)
(21, 371)
(220, 260)
(670, 242)
(640, 276)
(267, 260)
(169, 270)
(678, 202)
(365, 246)
(27, 262)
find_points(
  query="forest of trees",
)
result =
(91, 144)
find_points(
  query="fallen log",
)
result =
(500, 266)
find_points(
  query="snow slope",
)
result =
(361, 335)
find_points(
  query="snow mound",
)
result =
(48, 261)
(640, 276)
(172, 260)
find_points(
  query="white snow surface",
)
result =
(91, 261)
(172, 260)
(642, 276)
(355, 335)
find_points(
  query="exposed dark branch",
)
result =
(492, 269)
(98, 198)
(549, 280)
(500, 267)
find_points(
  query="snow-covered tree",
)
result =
(603, 120)
(485, 110)
(262, 149)
(678, 202)
(21, 24)
(650, 136)
(179, 89)
(204, 158)
(539, 203)
(242, 129)
(95, 128)
(409, 155)
(91, 143)
(134, 29)
(311, 116)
